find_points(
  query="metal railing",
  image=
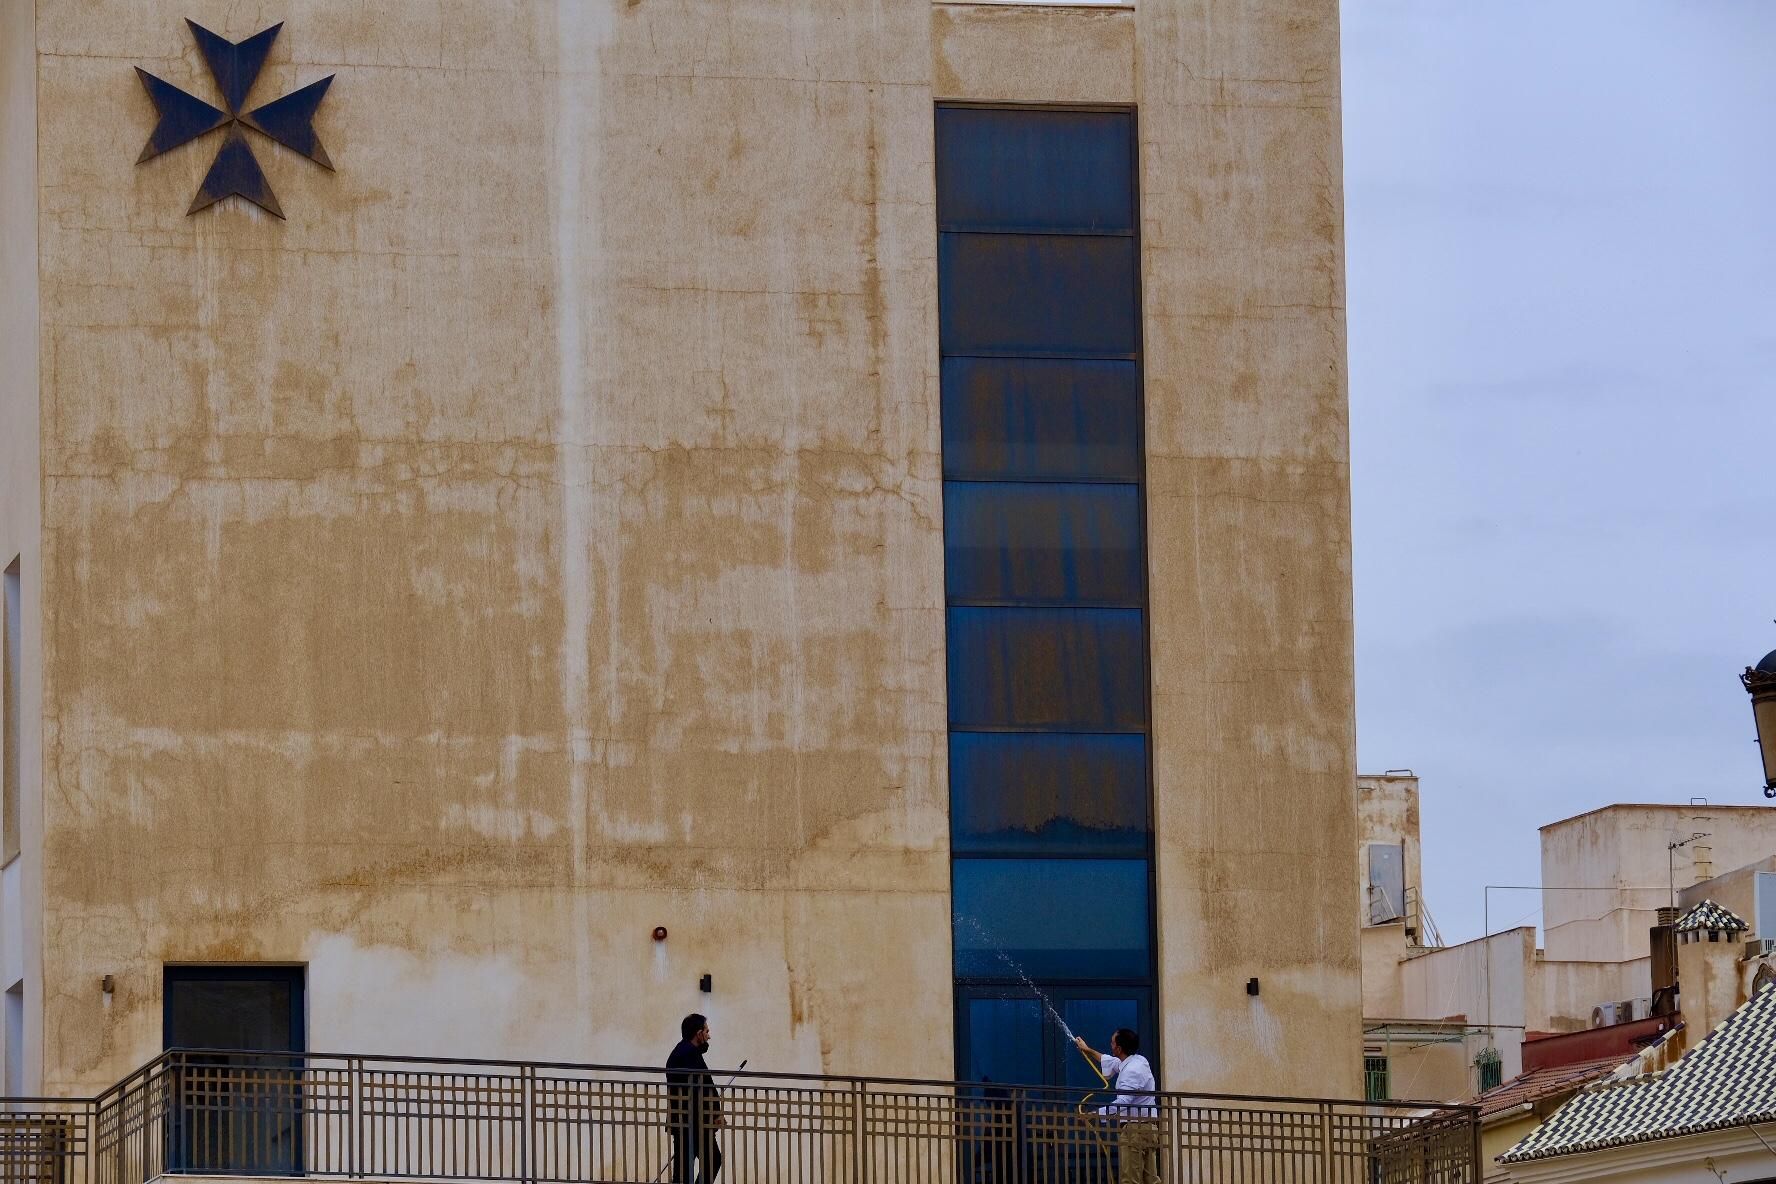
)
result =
(400, 1118)
(44, 1140)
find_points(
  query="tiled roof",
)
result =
(1709, 915)
(1727, 1080)
(1538, 1084)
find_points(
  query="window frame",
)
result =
(955, 394)
(1375, 1077)
(1083, 504)
(295, 975)
(983, 845)
(1035, 866)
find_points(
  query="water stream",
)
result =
(1011, 965)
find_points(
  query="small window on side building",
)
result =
(1375, 1079)
(1492, 1069)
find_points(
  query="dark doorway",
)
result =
(237, 1109)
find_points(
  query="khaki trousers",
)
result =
(1137, 1149)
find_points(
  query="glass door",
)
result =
(239, 1110)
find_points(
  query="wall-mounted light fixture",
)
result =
(706, 984)
(1251, 986)
(1760, 683)
(659, 933)
(108, 984)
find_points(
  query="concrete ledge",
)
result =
(1033, 53)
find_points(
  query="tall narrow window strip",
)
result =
(14, 708)
(1045, 580)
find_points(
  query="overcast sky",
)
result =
(1561, 224)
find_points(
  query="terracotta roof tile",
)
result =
(1541, 1083)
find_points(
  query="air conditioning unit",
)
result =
(1604, 1015)
(1641, 1008)
(1760, 946)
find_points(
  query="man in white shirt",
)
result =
(1137, 1142)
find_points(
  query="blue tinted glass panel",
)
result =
(1048, 793)
(1096, 1019)
(1051, 918)
(1035, 170)
(1064, 294)
(1059, 669)
(1053, 418)
(1003, 1041)
(1043, 543)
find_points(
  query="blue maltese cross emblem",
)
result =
(235, 65)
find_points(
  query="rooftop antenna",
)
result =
(1671, 862)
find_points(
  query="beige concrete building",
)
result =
(1610, 871)
(547, 531)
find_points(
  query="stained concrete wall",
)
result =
(20, 505)
(1709, 982)
(1570, 991)
(1249, 540)
(1491, 982)
(537, 537)
(1428, 1065)
(1384, 948)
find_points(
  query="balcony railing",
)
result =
(399, 1118)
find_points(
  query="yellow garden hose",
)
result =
(1092, 1120)
(1096, 1069)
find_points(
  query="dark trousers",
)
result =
(695, 1142)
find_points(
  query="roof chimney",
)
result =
(1662, 944)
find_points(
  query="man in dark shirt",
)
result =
(694, 1105)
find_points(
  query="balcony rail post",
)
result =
(1017, 1136)
(1326, 1165)
(354, 1117)
(527, 1124)
(1172, 1115)
(858, 1151)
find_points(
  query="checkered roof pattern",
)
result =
(1727, 1080)
(1709, 915)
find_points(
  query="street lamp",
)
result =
(1760, 684)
